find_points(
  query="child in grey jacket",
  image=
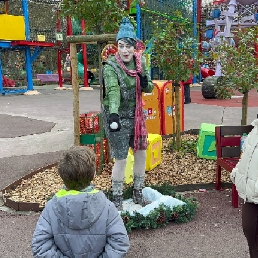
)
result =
(79, 221)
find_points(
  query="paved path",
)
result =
(54, 110)
(34, 130)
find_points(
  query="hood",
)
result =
(255, 123)
(79, 210)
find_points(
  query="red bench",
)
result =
(228, 152)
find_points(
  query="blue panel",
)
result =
(26, 18)
(138, 21)
(12, 91)
(1, 77)
(29, 68)
(5, 44)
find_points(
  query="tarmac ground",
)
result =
(36, 129)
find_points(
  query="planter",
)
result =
(22, 206)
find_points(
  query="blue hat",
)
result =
(126, 30)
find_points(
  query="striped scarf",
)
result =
(140, 131)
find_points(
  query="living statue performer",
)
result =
(125, 78)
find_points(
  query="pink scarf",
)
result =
(140, 131)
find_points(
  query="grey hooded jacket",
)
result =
(80, 225)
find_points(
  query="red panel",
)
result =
(32, 43)
(230, 141)
(227, 163)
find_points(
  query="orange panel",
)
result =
(153, 119)
(153, 95)
(152, 110)
(167, 111)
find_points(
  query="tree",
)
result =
(174, 52)
(101, 16)
(239, 65)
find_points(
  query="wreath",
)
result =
(161, 215)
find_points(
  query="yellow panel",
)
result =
(12, 27)
(129, 168)
(153, 156)
(154, 150)
(41, 37)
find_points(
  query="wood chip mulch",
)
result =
(175, 168)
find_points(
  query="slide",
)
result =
(91, 77)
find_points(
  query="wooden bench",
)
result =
(228, 152)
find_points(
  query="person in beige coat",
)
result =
(245, 177)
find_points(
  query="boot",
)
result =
(137, 191)
(118, 201)
(117, 187)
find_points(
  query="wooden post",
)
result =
(75, 85)
(86, 39)
(91, 39)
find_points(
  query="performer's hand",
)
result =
(114, 123)
(143, 80)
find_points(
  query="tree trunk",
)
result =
(173, 117)
(244, 108)
(177, 111)
(75, 85)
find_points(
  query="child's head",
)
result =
(77, 167)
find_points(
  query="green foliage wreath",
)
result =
(162, 215)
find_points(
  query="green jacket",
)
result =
(113, 96)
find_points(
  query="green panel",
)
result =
(88, 139)
(206, 147)
(133, 7)
(208, 150)
(208, 127)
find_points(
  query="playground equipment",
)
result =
(15, 36)
(228, 14)
(134, 8)
(152, 8)
(164, 10)
(90, 76)
(74, 28)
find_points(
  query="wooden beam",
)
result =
(75, 85)
(91, 39)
